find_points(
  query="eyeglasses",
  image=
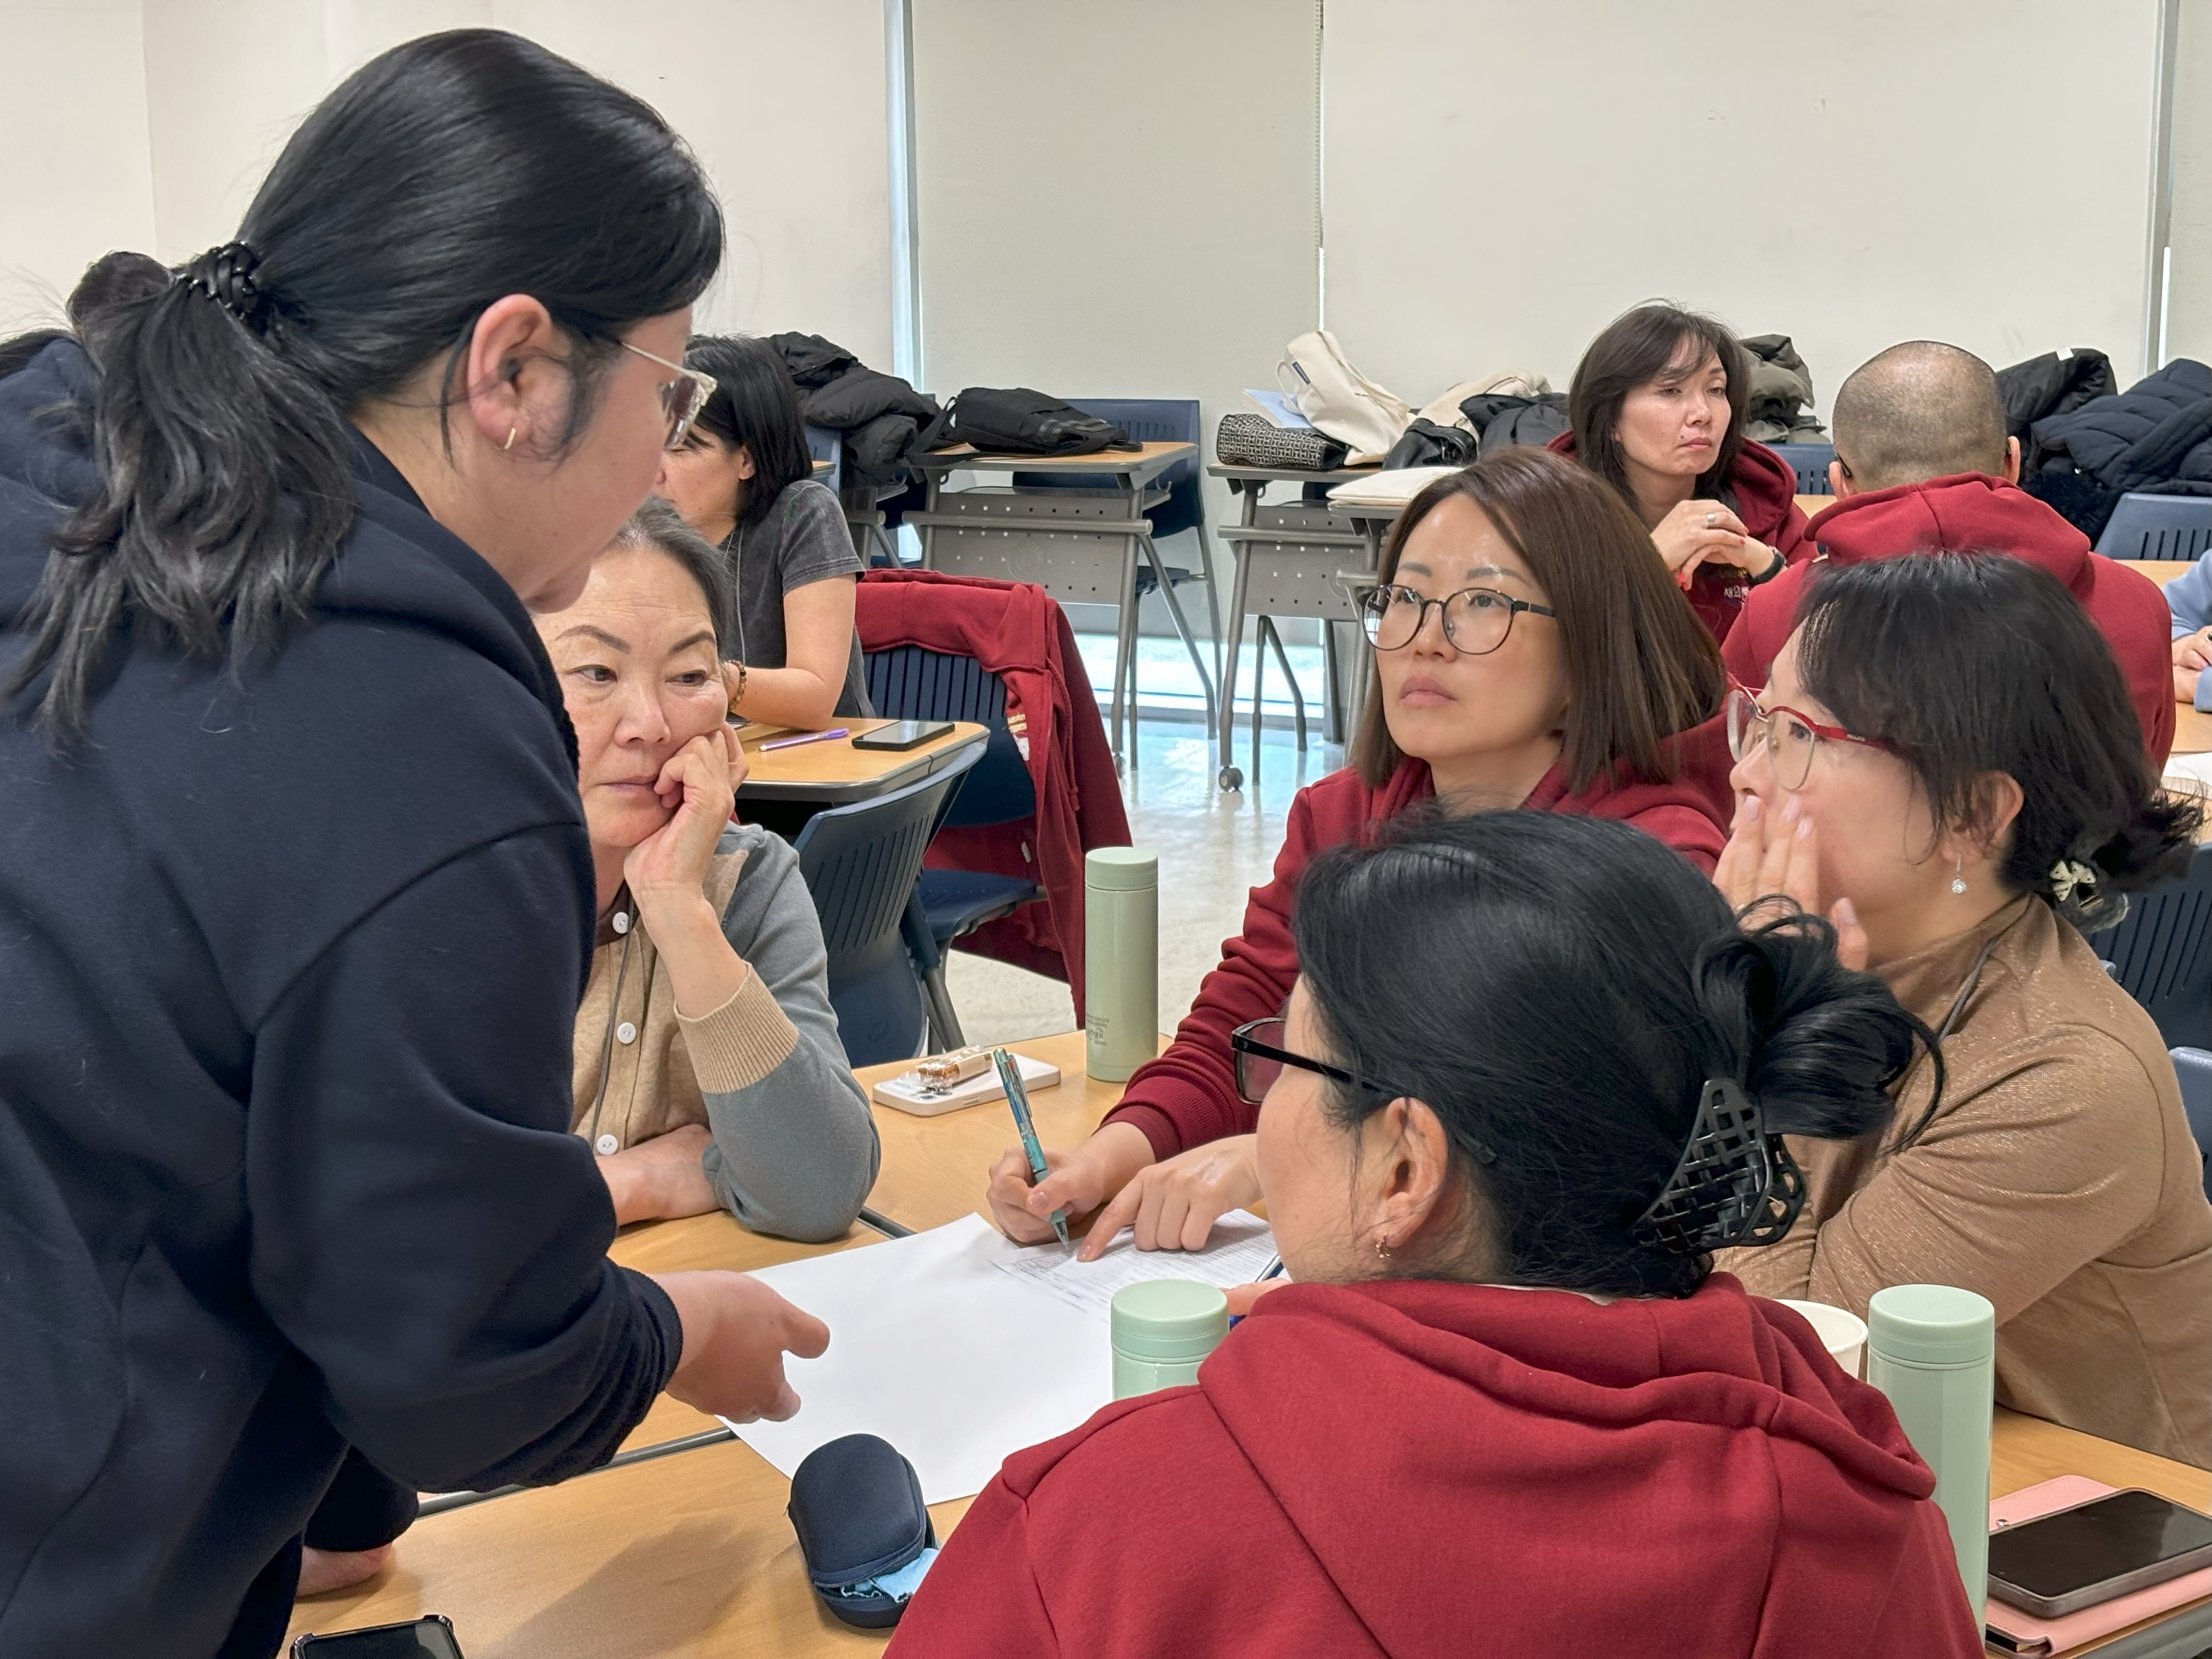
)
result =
(1261, 1057)
(681, 398)
(1788, 737)
(1476, 619)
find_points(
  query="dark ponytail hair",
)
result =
(1636, 347)
(447, 173)
(1971, 664)
(755, 404)
(1557, 990)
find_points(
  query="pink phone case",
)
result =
(2106, 1617)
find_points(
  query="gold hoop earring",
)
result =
(1959, 876)
(509, 444)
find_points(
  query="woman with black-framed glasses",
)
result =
(1529, 654)
(1946, 762)
(1501, 1364)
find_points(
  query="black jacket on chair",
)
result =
(289, 962)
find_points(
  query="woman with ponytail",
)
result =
(1946, 762)
(296, 888)
(1504, 1404)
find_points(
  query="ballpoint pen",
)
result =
(1273, 1270)
(811, 736)
(1009, 1078)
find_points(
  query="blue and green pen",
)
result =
(1017, 1098)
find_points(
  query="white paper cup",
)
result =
(1842, 1333)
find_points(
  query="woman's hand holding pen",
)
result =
(1079, 1181)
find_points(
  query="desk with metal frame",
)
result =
(1062, 540)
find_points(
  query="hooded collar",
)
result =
(1963, 512)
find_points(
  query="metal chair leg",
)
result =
(1259, 690)
(1212, 587)
(945, 1033)
(1297, 696)
(1181, 626)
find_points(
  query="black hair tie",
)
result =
(1734, 1184)
(226, 275)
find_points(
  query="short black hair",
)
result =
(1916, 412)
(1557, 989)
(657, 525)
(755, 404)
(1970, 663)
(1634, 349)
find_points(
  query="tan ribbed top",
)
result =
(2058, 1179)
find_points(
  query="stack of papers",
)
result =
(961, 1348)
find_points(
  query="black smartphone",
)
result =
(2073, 1558)
(427, 1637)
(902, 734)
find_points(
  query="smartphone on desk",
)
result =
(427, 1637)
(902, 734)
(2075, 1558)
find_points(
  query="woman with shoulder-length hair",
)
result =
(1656, 406)
(298, 888)
(1529, 652)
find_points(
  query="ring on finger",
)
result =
(1711, 519)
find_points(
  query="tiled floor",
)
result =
(1213, 848)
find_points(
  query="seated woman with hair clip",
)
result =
(1946, 761)
(1657, 407)
(743, 479)
(1529, 652)
(1504, 1395)
(707, 1067)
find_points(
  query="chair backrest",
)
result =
(2161, 953)
(2194, 1067)
(1810, 462)
(2147, 526)
(862, 863)
(911, 683)
(828, 444)
(1148, 420)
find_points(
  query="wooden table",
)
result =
(834, 773)
(692, 1555)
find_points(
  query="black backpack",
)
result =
(1016, 421)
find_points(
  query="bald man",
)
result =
(1923, 465)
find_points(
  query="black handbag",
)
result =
(1016, 421)
(1247, 440)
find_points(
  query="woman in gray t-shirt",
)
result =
(743, 479)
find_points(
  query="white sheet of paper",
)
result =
(1237, 1253)
(953, 1347)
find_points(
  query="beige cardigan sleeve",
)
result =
(2015, 1186)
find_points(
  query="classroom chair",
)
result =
(2147, 526)
(825, 443)
(1810, 462)
(909, 682)
(2194, 1067)
(2161, 953)
(862, 863)
(1155, 420)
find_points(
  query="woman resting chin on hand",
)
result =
(708, 1069)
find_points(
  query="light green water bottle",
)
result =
(1162, 1328)
(1932, 1349)
(1121, 960)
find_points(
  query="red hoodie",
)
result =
(1189, 1095)
(1016, 631)
(1973, 513)
(1764, 487)
(1419, 1469)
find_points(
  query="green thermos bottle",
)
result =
(1162, 1328)
(1121, 960)
(1932, 1349)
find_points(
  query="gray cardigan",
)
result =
(794, 1149)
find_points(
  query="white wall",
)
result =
(2189, 307)
(1502, 179)
(161, 146)
(72, 128)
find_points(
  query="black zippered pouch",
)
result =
(856, 1505)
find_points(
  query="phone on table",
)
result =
(427, 1637)
(2075, 1558)
(902, 734)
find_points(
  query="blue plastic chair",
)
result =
(1810, 462)
(909, 681)
(862, 863)
(2161, 953)
(2194, 1067)
(825, 443)
(2145, 527)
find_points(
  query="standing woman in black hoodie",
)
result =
(295, 895)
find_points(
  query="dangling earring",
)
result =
(509, 444)
(1959, 875)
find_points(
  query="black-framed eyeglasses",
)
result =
(1477, 620)
(1258, 1047)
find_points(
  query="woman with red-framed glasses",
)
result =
(1946, 763)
